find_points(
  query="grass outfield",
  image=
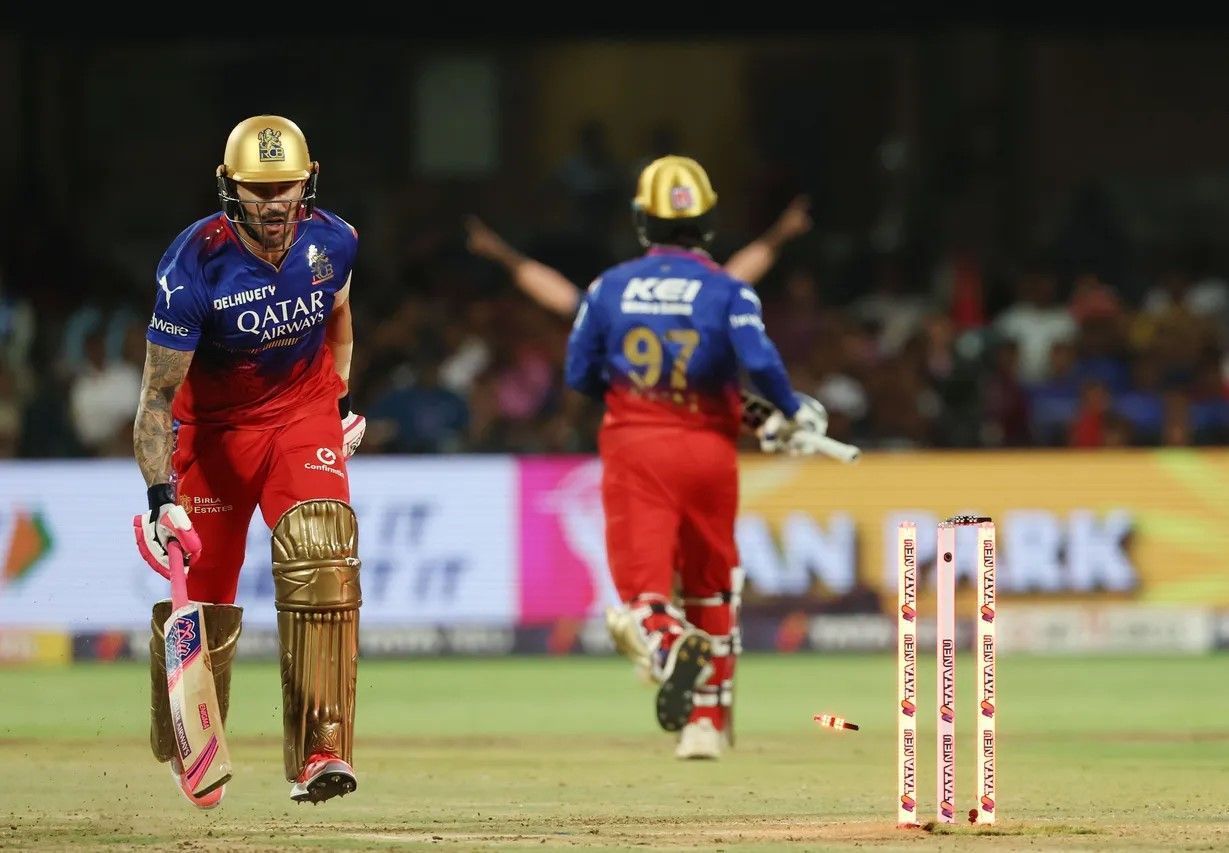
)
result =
(1094, 753)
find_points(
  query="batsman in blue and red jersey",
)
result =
(663, 340)
(245, 403)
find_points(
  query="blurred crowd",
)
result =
(1088, 341)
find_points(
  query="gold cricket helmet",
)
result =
(266, 149)
(674, 202)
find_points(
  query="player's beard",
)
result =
(274, 234)
(273, 231)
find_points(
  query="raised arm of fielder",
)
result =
(544, 285)
(754, 260)
(553, 291)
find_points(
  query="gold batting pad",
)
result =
(316, 589)
(223, 623)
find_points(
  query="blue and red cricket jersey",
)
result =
(662, 339)
(257, 330)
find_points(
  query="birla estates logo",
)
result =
(205, 504)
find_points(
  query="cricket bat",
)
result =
(189, 681)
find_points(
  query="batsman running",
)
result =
(662, 339)
(245, 403)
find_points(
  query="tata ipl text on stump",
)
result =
(945, 648)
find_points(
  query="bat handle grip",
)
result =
(179, 577)
(839, 450)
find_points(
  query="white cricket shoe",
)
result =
(699, 740)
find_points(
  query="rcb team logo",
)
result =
(270, 142)
(321, 266)
(680, 198)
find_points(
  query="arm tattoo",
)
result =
(152, 437)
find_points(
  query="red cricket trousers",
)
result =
(223, 473)
(670, 496)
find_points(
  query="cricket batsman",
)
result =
(245, 403)
(662, 339)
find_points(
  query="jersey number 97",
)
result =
(646, 353)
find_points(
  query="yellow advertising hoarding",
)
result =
(1146, 526)
(34, 647)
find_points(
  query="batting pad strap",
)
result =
(706, 698)
(317, 595)
(723, 645)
